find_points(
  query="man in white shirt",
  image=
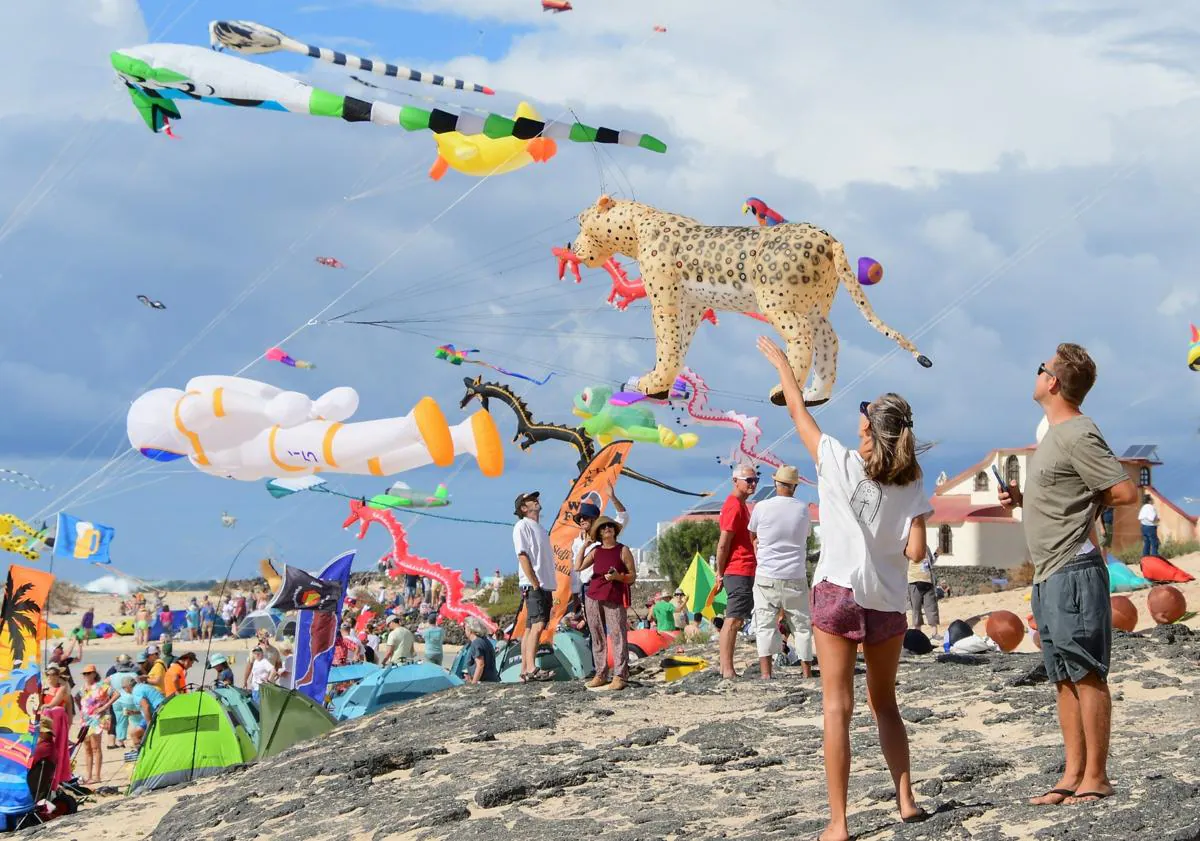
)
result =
(497, 583)
(261, 671)
(536, 576)
(1148, 517)
(779, 529)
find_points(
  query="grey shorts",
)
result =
(537, 605)
(739, 597)
(922, 596)
(1074, 617)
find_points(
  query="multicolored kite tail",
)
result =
(698, 409)
(458, 357)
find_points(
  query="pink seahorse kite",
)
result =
(400, 562)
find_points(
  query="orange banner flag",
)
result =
(592, 486)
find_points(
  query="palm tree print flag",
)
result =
(22, 625)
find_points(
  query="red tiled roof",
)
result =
(958, 508)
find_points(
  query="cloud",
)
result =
(944, 143)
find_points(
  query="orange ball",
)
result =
(1124, 613)
(1005, 629)
(1166, 604)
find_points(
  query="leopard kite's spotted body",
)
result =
(789, 273)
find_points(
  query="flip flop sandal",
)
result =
(541, 675)
(1094, 795)
(1065, 792)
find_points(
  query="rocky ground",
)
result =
(701, 760)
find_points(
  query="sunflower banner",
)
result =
(22, 624)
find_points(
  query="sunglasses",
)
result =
(1042, 369)
(753, 480)
(863, 407)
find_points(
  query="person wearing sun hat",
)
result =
(608, 595)
(584, 518)
(779, 529)
(219, 663)
(536, 576)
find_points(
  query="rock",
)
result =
(553, 761)
(970, 769)
(915, 714)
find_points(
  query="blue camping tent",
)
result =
(392, 685)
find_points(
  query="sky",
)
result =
(1026, 176)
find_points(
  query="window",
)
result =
(1144, 477)
(981, 481)
(945, 540)
(1012, 471)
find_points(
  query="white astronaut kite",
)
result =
(243, 429)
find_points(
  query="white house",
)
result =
(968, 526)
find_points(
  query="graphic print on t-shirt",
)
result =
(865, 501)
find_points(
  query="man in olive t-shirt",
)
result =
(1070, 477)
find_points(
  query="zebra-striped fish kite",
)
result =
(158, 74)
(249, 38)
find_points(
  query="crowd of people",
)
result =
(874, 581)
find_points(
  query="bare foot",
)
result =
(833, 833)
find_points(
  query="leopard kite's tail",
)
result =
(850, 280)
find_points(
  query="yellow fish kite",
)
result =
(481, 155)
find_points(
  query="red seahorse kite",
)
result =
(400, 562)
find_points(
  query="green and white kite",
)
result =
(158, 75)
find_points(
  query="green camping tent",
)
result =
(241, 706)
(287, 717)
(194, 735)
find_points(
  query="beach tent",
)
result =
(178, 621)
(194, 735)
(574, 652)
(352, 672)
(570, 658)
(241, 706)
(259, 620)
(392, 685)
(104, 629)
(1121, 579)
(288, 717)
(697, 584)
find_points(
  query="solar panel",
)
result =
(1147, 452)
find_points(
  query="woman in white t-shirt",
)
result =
(873, 509)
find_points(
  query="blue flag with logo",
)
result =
(317, 631)
(83, 540)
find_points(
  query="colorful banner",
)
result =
(22, 623)
(592, 486)
(82, 540)
(699, 586)
(316, 632)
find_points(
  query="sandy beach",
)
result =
(701, 759)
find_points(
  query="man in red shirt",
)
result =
(736, 563)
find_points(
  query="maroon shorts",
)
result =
(834, 611)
